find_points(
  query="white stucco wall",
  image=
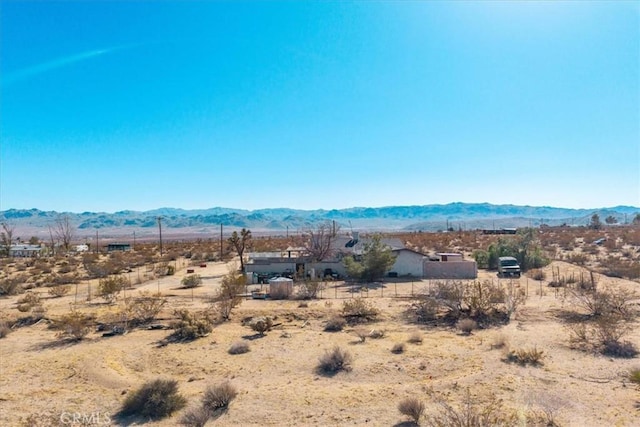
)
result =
(408, 263)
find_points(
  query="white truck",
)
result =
(508, 267)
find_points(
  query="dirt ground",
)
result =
(277, 384)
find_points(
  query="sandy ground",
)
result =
(276, 380)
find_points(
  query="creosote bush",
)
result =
(467, 326)
(261, 324)
(359, 310)
(74, 325)
(239, 347)
(154, 400)
(335, 324)
(523, 357)
(398, 348)
(190, 326)
(634, 375)
(412, 408)
(415, 338)
(334, 361)
(59, 291)
(218, 397)
(191, 281)
(110, 287)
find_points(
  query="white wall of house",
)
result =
(408, 263)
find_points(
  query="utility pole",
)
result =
(97, 242)
(134, 240)
(160, 229)
(220, 242)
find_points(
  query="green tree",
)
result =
(636, 219)
(239, 242)
(595, 222)
(375, 261)
(611, 220)
(229, 295)
(525, 247)
(6, 238)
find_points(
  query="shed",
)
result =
(280, 287)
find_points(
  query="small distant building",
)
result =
(118, 247)
(25, 251)
(81, 248)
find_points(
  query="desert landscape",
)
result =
(519, 362)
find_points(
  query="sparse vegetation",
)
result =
(634, 375)
(230, 294)
(334, 361)
(5, 329)
(74, 325)
(59, 291)
(398, 348)
(467, 326)
(218, 397)
(154, 400)
(191, 281)
(335, 324)
(413, 408)
(110, 287)
(239, 347)
(359, 310)
(531, 356)
(416, 337)
(261, 324)
(190, 326)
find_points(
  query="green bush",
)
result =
(154, 400)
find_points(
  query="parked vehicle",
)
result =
(508, 267)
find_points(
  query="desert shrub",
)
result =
(309, 289)
(196, 416)
(261, 324)
(634, 375)
(156, 399)
(59, 291)
(218, 397)
(335, 324)
(398, 348)
(604, 302)
(415, 337)
(617, 348)
(377, 333)
(191, 281)
(577, 258)
(145, 307)
(110, 287)
(239, 347)
(230, 294)
(334, 361)
(537, 274)
(467, 326)
(499, 341)
(5, 329)
(523, 357)
(412, 408)
(73, 325)
(190, 326)
(10, 286)
(359, 310)
(425, 309)
(616, 267)
(471, 413)
(303, 304)
(361, 333)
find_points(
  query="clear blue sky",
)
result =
(107, 106)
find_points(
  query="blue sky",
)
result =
(107, 106)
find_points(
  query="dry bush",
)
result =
(5, 329)
(634, 375)
(196, 416)
(471, 412)
(499, 341)
(415, 337)
(412, 408)
(335, 324)
(617, 267)
(11, 285)
(74, 325)
(190, 326)
(309, 289)
(110, 287)
(239, 347)
(191, 281)
(523, 357)
(261, 324)
(398, 348)
(334, 361)
(28, 301)
(359, 310)
(425, 309)
(218, 397)
(377, 334)
(154, 400)
(145, 307)
(537, 274)
(230, 294)
(467, 326)
(361, 333)
(59, 291)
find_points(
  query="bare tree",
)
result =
(320, 244)
(239, 243)
(64, 230)
(6, 238)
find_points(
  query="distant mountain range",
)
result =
(390, 218)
